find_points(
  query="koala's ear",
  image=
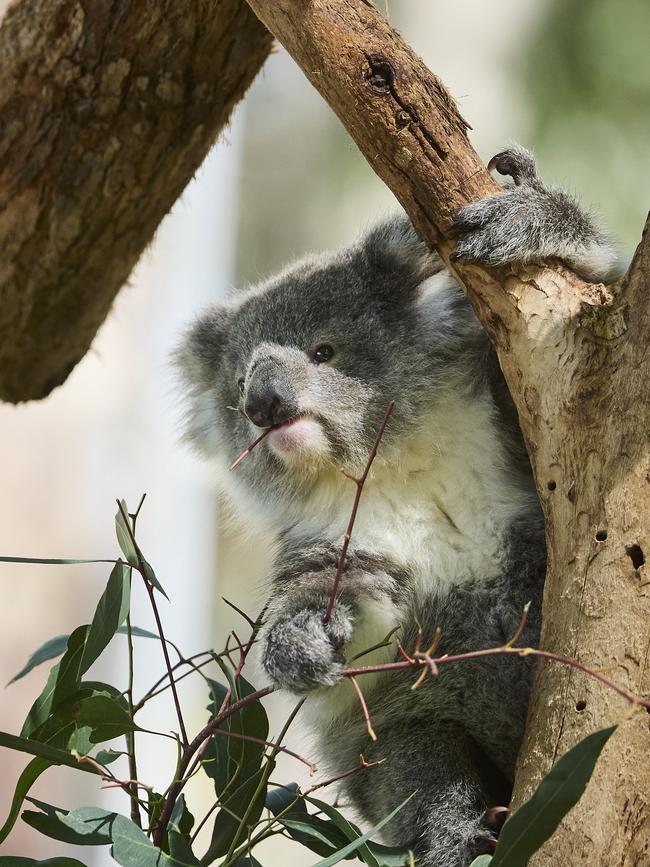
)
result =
(198, 355)
(395, 246)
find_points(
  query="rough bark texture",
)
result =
(575, 357)
(106, 111)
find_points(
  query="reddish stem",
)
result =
(250, 448)
(360, 482)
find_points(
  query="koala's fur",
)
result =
(449, 531)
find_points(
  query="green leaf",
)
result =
(105, 717)
(178, 833)
(63, 679)
(481, 861)
(52, 754)
(15, 861)
(48, 561)
(28, 777)
(87, 826)
(109, 615)
(392, 856)
(131, 550)
(150, 575)
(350, 831)
(280, 798)
(132, 848)
(107, 757)
(534, 822)
(139, 632)
(62, 729)
(229, 755)
(54, 647)
(360, 841)
(124, 539)
(248, 861)
(228, 818)
(319, 835)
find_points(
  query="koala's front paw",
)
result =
(300, 652)
(498, 229)
(505, 227)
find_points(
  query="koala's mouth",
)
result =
(301, 434)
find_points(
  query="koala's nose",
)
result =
(267, 405)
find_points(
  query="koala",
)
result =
(449, 532)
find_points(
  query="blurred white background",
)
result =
(284, 179)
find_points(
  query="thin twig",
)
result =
(249, 449)
(130, 736)
(360, 482)
(364, 708)
(156, 614)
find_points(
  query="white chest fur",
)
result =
(438, 507)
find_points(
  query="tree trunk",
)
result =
(575, 358)
(106, 110)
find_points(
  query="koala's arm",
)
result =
(530, 222)
(299, 651)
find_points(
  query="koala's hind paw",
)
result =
(487, 834)
(303, 653)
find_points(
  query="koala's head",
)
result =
(316, 353)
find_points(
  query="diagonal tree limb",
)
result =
(107, 109)
(576, 361)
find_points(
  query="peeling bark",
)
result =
(576, 361)
(106, 111)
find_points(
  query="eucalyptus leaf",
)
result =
(481, 861)
(52, 754)
(351, 832)
(26, 780)
(57, 645)
(15, 861)
(105, 717)
(62, 728)
(131, 550)
(110, 613)
(51, 649)
(360, 841)
(63, 679)
(178, 833)
(132, 848)
(278, 799)
(228, 819)
(124, 539)
(107, 757)
(87, 826)
(536, 820)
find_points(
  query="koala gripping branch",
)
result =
(576, 362)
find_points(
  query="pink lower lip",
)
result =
(295, 432)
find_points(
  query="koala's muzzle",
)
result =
(269, 396)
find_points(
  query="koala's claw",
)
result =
(487, 834)
(303, 653)
(494, 818)
(517, 162)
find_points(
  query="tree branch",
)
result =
(106, 112)
(576, 362)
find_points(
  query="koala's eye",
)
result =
(240, 384)
(322, 353)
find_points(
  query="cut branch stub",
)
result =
(106, 112)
